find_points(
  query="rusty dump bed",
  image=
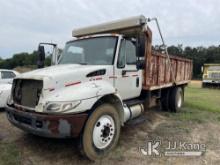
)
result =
(158, 73)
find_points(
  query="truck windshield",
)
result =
(90, 51)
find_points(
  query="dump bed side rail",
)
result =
(158, 74)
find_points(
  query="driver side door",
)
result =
(128, 78)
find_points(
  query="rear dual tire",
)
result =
(165, 100)
(172, 99)
(176, 99)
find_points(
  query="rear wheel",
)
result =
(101, 132)
(176, 99)
(165, 100)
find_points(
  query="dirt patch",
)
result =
(154, 124)
(196, 83)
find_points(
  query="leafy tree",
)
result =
(199, 55)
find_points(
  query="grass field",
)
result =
(202, 98)
(198, 121)
(201, 104)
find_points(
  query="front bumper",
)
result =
(47, 125)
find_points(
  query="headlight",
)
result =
(61, 106)
(53, 107)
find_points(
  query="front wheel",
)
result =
(101, 132)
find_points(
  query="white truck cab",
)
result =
(92, 88)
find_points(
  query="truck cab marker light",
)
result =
(72, 83)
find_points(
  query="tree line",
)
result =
(22, 60)
(199, 55)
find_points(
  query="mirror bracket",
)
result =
(41, 56)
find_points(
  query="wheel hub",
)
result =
(106, 131)
(103, 131)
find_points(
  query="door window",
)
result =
(127, 54)
(130, 53)
(121, 56)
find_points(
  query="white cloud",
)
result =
(25, 23)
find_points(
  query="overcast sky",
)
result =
(25, 23)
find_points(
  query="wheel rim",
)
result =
(103, 131)
(179, 100)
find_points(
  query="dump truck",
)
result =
(211, 75)
(106, 76)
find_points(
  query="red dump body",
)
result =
(158, 73)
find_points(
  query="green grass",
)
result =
(201, 105)
(193, 115)
(9, 154)
(202, 98)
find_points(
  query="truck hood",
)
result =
(58, 75)
(55, 70)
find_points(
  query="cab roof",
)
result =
(128, 26)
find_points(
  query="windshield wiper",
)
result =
(82, 63)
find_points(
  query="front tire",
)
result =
(101, 132)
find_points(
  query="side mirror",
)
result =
(41, 57)
(140, 50)
(140, 44)
(140, 64)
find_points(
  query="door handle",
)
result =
(137, 82)
(124, 72)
